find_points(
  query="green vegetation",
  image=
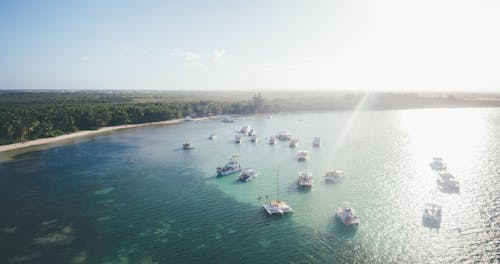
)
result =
(41, 114)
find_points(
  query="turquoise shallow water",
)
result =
(133, 197)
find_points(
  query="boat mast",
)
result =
(278, 181)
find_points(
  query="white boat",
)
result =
(247, 175)
(212, 136)
(226, 119)
(334, 176)
(305, 179)
(437, 163)
(302, 155)
(277, 206)
(253, 138)
(316, 141)
(294, 143)
(447, 182)
(187, 145)
(284, 135)
(432, 215)
(188, 119)
(245, 129)
(272, 140)
(347, 215)
(251, 132)
(237, 139)
(232, 166)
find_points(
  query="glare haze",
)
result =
(447, 45)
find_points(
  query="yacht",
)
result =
(247, 175)
(305, 179)
(284, 135)
(294, 143)
(432, 215)
(272, 140)
(237, 139)
(245, 129)
(187, 145)
(447, 182)
(277, 206)
(334, 176)
(347, 215)
(437, 163)
(302, 155)
(212, 136)
(316, 141)
(232, 166)
(253, 138)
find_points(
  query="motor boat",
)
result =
(294, 143)
(245, 129)
(272, 140)
(232, 166)
(447, 182)
(253, 138)
(247, 175)
(187, 145)
(432, 215)
(316, 141)
(188, 119)
(302, 155)
(237, 139)
(334, 176)
(437, 163)
(347, 215)
(277, 206)
(284, 135)
(251, 132)
(305, 179)
(212, 136)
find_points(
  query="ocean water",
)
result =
(133, 196)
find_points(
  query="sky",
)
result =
(383, 45)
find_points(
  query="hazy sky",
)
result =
(251, 45)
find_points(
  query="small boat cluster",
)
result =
(305, 180)
(447, 183)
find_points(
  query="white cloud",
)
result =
(84, 58)
(218, 55)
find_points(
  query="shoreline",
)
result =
(82, 133)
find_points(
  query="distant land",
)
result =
(33, 114)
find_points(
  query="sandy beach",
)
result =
(43, 141)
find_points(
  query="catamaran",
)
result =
(347, 215)
(245, 129)
(432, 215)
(284, 135)
(232, 166)
(447, 182)
(305, 179)
(277, 206)
(334, 176)
(302, 155)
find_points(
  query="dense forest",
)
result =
(38, 114)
